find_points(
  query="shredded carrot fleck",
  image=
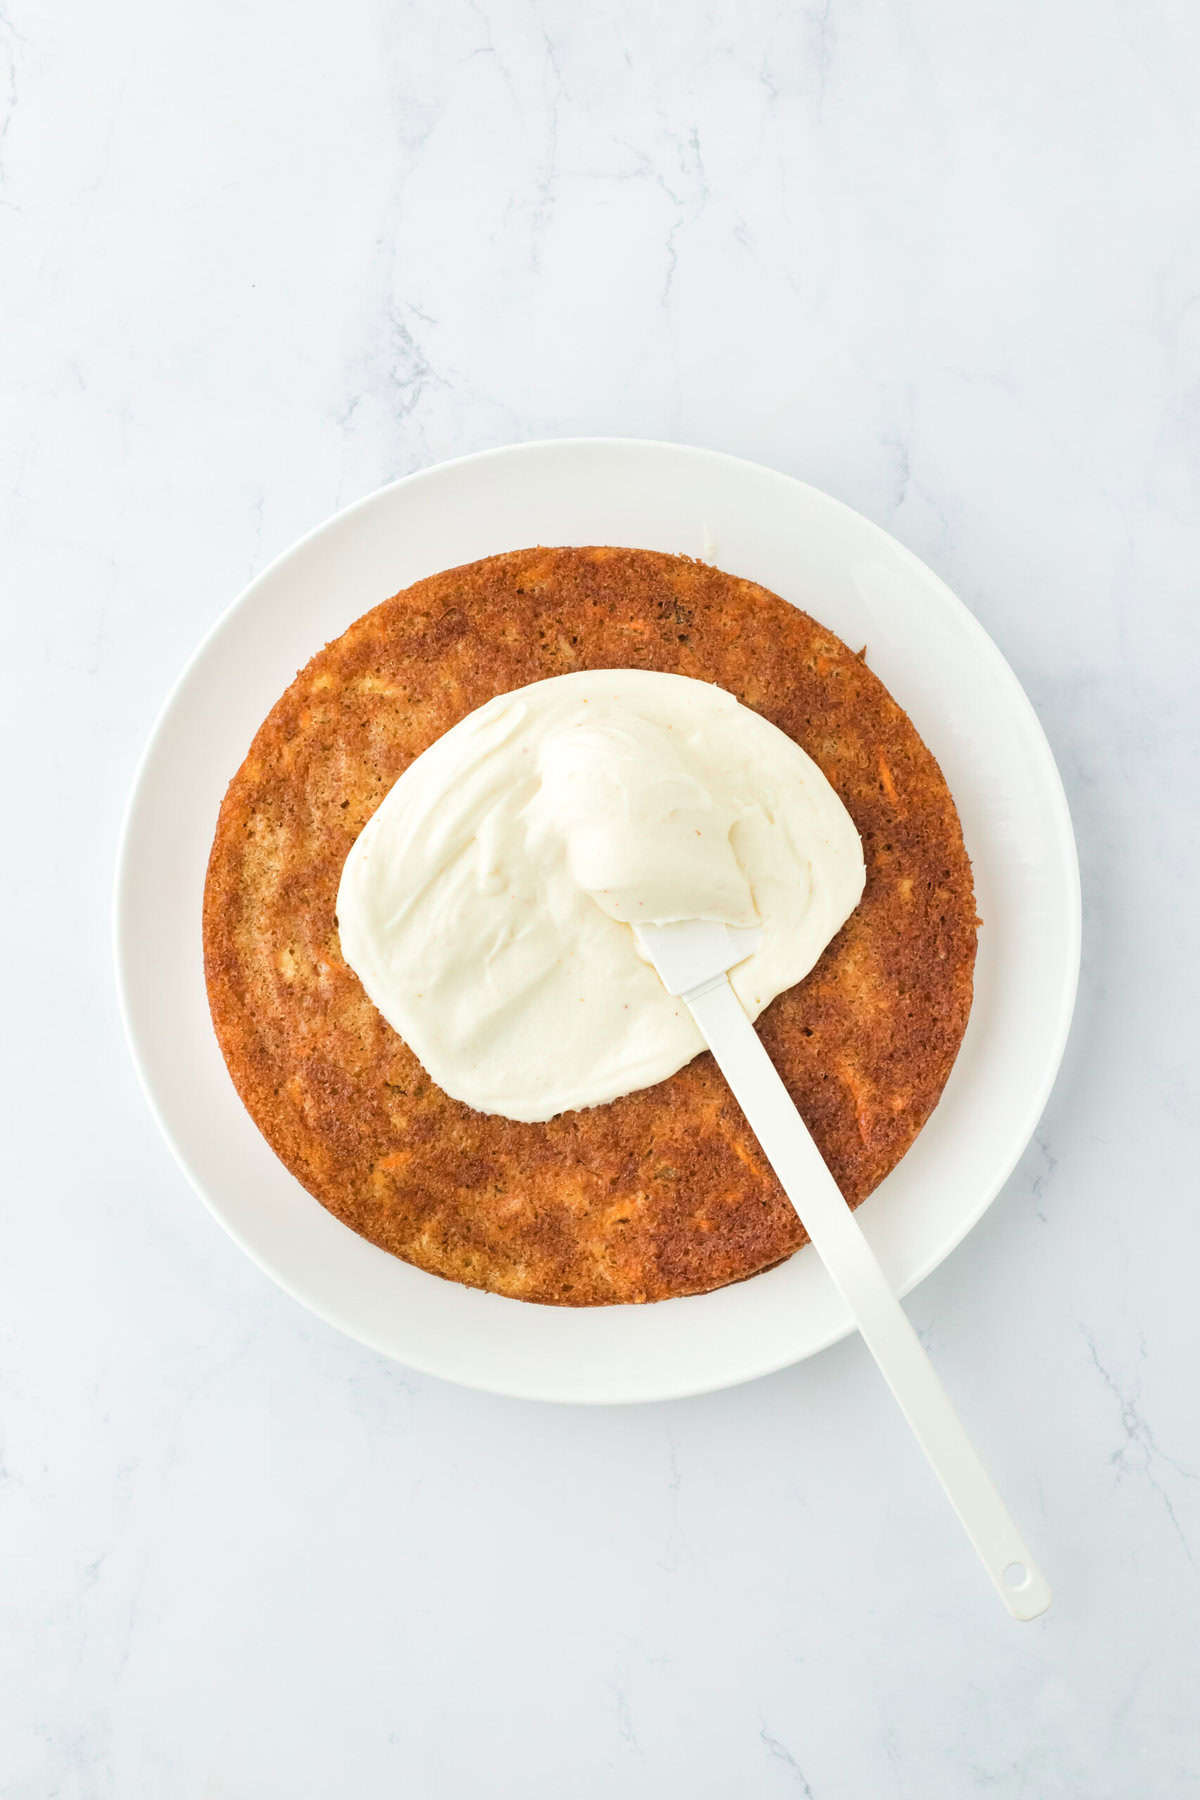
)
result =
(858, 1095)
(742, 1154)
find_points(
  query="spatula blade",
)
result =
(694, 951)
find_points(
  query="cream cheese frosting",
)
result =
(488, 905)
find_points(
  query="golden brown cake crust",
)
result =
(664, 1192)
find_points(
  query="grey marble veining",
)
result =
(940, 260)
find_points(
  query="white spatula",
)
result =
(692, 959)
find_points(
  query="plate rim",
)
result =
(1064, 837)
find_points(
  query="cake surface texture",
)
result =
(664, 1192)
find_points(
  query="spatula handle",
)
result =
(881, 1319)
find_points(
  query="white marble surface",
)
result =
(940, 260)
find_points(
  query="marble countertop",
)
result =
(941, 261)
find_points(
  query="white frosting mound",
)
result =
(487, 907)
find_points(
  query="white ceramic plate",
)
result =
(940, 665)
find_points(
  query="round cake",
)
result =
(664, 1192)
